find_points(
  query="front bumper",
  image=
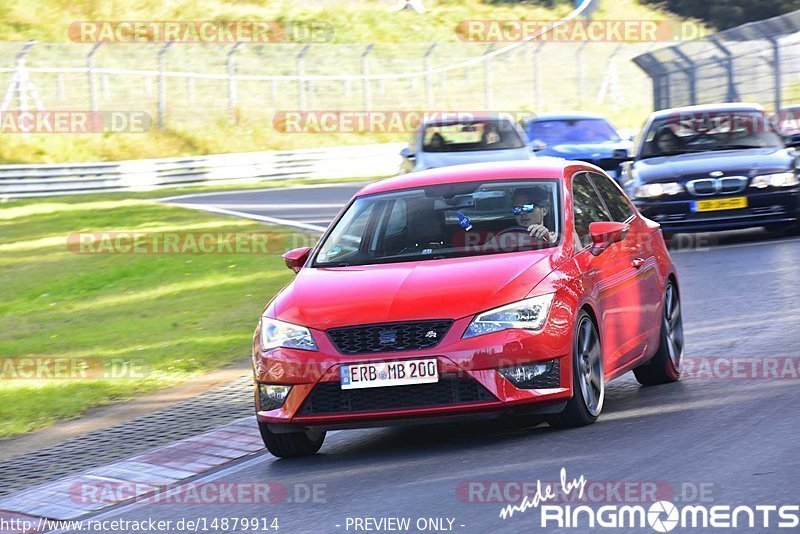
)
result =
(469, 384)
(763, 208)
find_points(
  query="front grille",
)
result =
(389, 337)
(329, 398)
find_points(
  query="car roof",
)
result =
(537, 169)
(566, 116)
(728, 106)
(447, 117)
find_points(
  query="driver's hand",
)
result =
(540, 231)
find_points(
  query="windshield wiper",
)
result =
(733, 147)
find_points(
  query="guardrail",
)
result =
(361, 161)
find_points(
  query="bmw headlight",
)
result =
(527, 314)
(781, 179)
(276, 334)
(657, 190)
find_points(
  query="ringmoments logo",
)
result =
(660, 516)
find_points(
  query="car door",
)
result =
(609, 277)
(638, 246)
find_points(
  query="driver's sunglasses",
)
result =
(525, 208)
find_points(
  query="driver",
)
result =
(529, 206)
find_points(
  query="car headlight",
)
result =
(781, 179)
(527, 314)
(276, 334)
(657, 190)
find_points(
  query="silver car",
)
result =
(443, 142)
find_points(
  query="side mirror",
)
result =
(605, 233)
(406, 153)
(296, 258)
(538, 145)
(792, 140)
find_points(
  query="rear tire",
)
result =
(665, 366)
(291, 445)
(588, 380)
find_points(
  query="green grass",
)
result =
(171, 315)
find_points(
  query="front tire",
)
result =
(588, 380)
(665, 366)
(291, 445)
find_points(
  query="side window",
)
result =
(397, 218)
(586, 208)
(616, 201)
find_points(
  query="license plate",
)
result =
(381, 374)
(719, 204)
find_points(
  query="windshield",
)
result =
(553, 132)
(701, 132)
(448, 220)
(467, 136)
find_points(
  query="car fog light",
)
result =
(537, 375)
(271, 397)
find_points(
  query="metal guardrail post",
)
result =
(365, 74)
(299, 62)
(232, 89)
(162, 85)
(92, 79)
(429, 77)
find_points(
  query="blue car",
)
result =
(578, 136)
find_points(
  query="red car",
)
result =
(477, 290)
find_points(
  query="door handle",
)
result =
(637, 263)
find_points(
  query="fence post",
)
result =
(776, 70)
(299, 61)
(365, 74)
(487, 78)
(537, 75)
(429, 77)
(162, 84)
(232, 92)
(92, 81)
(691, 73)
(731, 96)
(581, 73)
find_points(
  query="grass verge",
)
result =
(155, 319)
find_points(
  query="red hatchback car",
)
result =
(476, 290)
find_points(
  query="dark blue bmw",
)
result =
(578, 136)
(716, 167)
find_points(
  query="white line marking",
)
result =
(237, 191)
(262, 218)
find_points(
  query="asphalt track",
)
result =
(709, 440)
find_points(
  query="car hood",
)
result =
(748, 162)
(450, 288)
(584, 151)
(430, 160)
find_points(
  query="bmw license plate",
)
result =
(380, 374)
(719, 204)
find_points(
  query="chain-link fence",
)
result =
(197, 84)
(756, 62)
